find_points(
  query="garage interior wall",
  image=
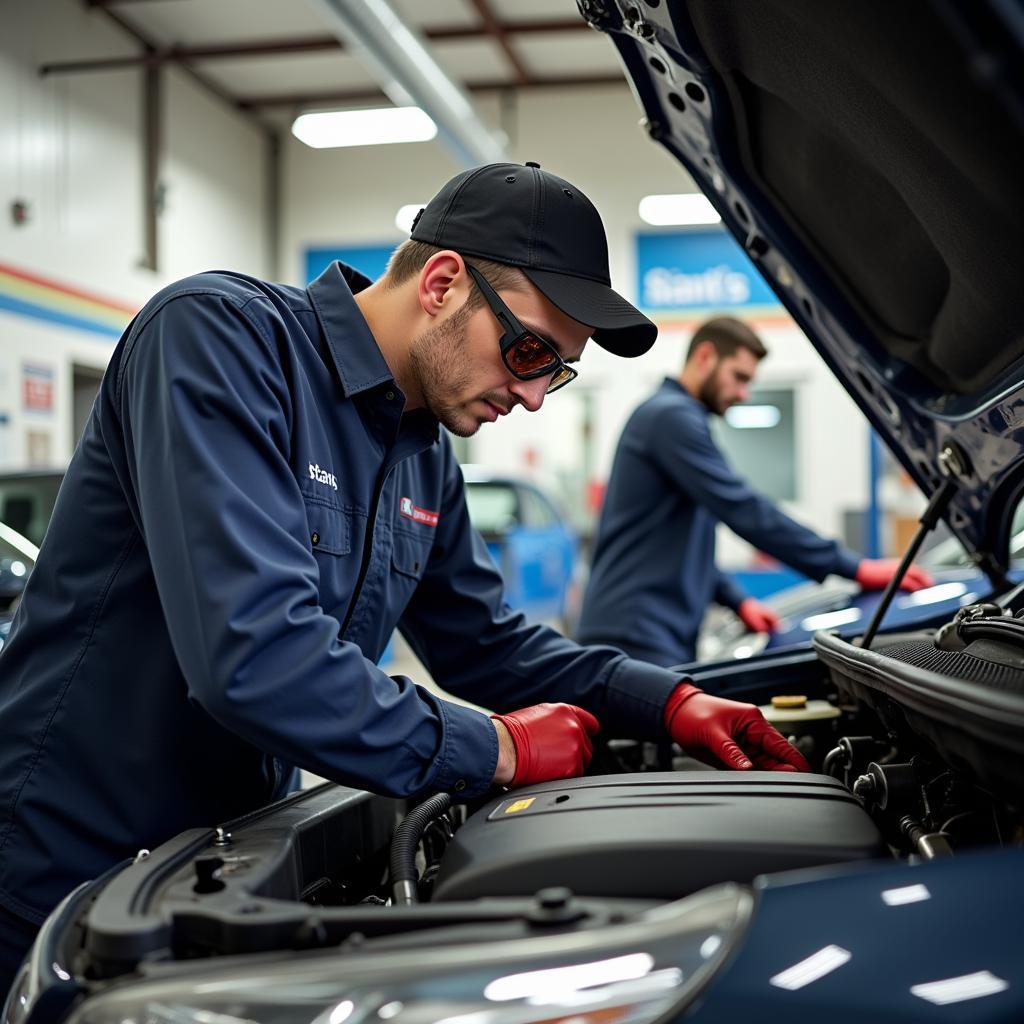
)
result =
(71, 149)
(593, 138)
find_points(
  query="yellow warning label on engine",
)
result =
(519, 805)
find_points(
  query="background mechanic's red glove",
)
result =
(552, 741)
(875, 573)
(757, 617)
(735, 734)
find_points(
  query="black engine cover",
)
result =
(660, 835)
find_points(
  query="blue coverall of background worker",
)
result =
(654, 573)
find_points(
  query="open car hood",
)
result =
(868, 158)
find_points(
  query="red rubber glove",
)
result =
(552, 741)
(757, 617)
(735, 734)
(875, 573)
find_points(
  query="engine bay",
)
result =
(916, 746)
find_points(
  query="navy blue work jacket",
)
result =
(247, 518)
(654, 571)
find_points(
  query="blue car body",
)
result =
(841, 963)
(529, 539)
(840, 605)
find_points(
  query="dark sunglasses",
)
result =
(526, 354)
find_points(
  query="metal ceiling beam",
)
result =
(112, 3)
(512, 28)
(152, 146)
(150, 47)
(275, 47)
(152, 129)
(191, 54)
(498, 31)
(314, 99)
(406, 71)
(152, 153)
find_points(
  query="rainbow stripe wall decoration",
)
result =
(28, 294)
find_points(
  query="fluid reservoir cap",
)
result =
(789, 701)
(555, 897)
(805, 711)
(555, 905)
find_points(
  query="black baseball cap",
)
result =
(529, 218)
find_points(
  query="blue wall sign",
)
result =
(370, 259)
(689, 271)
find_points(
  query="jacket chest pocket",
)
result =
(409, 555)
(330, 528)
(330, 539)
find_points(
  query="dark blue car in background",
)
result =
(17, 557)
(26, 502)
(868, 157)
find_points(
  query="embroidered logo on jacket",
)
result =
(321, 476)
(417, 514)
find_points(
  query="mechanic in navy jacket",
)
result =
(261, 495)
(654, 571)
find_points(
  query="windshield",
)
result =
(26, 502)
(17, 553)
(493, 507)
(950, 553)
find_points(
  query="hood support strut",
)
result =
(931, 515)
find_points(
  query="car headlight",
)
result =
(628, 973)
(43, 984)
(17, 1001)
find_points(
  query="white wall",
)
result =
(71, 146)
(592, 137)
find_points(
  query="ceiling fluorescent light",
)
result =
(688, 208)
(406, 215)
(404, 67)
(379, 127)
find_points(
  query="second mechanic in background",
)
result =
(654, 572)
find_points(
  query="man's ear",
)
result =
(707, 354)
(443, 283)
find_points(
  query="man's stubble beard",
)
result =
(710, 394)
(437, 357)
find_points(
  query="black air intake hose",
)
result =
(403, 847)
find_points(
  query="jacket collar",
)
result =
(672, 384)
(355, 352)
